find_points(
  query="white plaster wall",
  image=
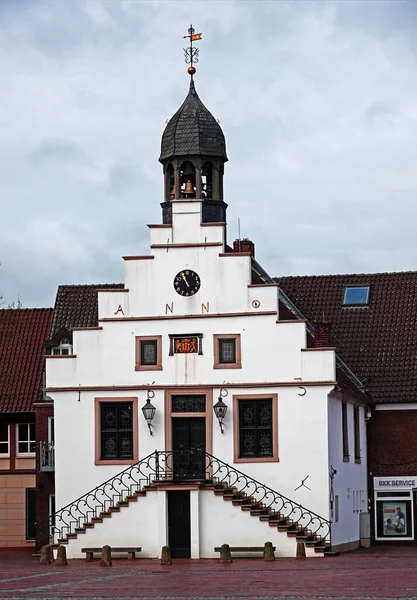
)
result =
(302, 444)
(134, 525)
(223, 523)
(302, 447)
(350, 482)
(270, 353)
(316, 365)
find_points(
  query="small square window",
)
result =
(227, 351)
(64, 348)
(356, 295)
(26, 440)
(148, 353)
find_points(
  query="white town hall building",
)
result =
(199, 325)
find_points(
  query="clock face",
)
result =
(187, 283)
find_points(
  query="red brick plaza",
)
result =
(364, 574)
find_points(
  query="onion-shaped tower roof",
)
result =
(193, 131)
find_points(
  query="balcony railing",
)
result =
(47, 456)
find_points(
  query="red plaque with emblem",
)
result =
(186, 345)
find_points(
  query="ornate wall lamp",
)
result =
(220, 408)
(149, 410)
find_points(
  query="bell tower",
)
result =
(193, 152)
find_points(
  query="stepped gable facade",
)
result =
(22, 336)
(198, 356)
(376, 337)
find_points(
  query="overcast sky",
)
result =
(317, 100)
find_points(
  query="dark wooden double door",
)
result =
(188, 445)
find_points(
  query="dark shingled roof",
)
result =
(378, 341)
(23, 333)
(77, 306)
(193, 130)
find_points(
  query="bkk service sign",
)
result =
(395, 483)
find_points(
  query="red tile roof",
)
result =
(23, 333)
(378, 341)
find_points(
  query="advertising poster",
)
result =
(394, 516)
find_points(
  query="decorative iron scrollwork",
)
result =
(176, 465)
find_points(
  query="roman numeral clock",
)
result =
(187, 283)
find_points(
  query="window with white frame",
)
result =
(64, 348)
(4, 439)
(26, 440)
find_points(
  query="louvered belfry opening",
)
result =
(193, 153)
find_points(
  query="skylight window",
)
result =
(357, 295)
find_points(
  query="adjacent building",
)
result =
(371, 319)
(22, 336)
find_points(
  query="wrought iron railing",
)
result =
(182, 466)
(47, 456)
(269, 500)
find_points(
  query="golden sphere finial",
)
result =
(191, 70)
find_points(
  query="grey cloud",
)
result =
(318, 113)
(378, 110)
(59, 151)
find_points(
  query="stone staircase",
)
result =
(247, 503)
(114, 508)
(274, 519)
(159, 472)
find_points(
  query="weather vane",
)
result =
(191, 53)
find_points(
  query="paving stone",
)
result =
(373, 574)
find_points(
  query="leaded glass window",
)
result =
(227, 351)
(255, 428)
(116, 421)
(148, 352)
(189, 403)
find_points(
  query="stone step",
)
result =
(295, 532)
(312, 543)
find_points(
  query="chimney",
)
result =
(321, 335)
(244, 245)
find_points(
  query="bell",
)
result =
(173, 192)
(189, 188)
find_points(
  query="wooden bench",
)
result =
(244, 549)
(130, 551)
